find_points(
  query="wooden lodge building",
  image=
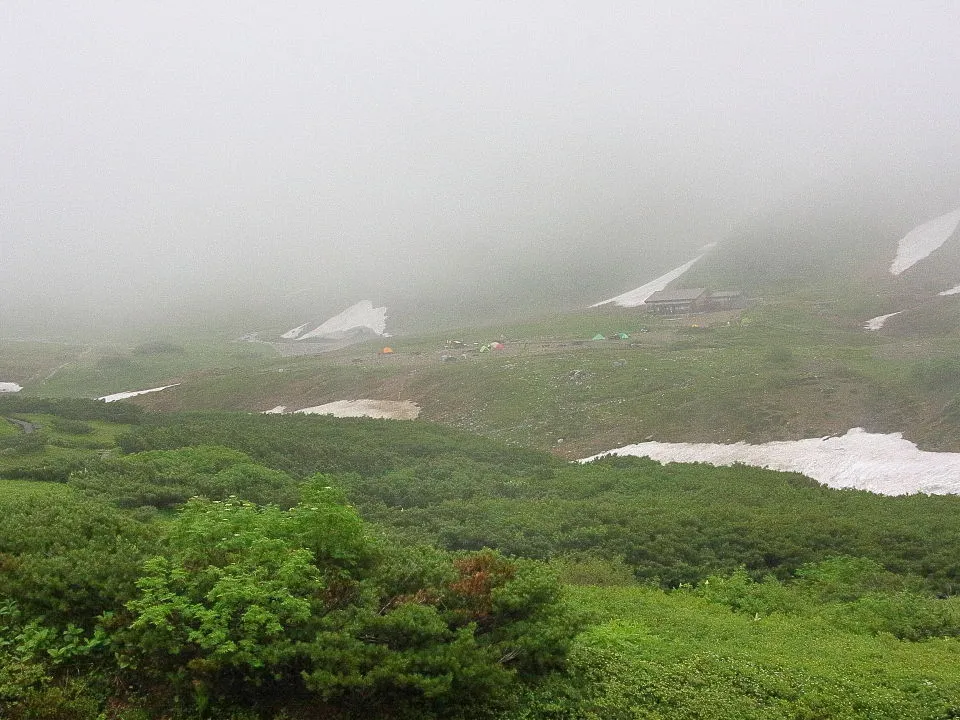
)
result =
(692, 300)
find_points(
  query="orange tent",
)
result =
(387, 351)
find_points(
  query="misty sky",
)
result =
(148, 149)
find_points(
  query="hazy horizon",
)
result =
(161, 155)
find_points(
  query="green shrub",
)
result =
(31, 443)
(166, 478)
(250, 604)
(66, 558)
(72, 408)
(71, 427)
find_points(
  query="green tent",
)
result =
(622, 336)
(484, 348)
(598, 336)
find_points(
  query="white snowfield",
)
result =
(278, 410)
(361, 315)
(389, 409)
(878, 322)
(955, 290)
(923, 240)
(294, 333)
(884, 464)
(634, 298)
(133, 393)
(10, 387)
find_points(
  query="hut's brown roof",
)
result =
(678, 295)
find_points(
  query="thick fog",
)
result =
(156, 156)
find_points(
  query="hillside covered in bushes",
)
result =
(226, 565)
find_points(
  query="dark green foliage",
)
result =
(45, 469)
(672, 524)
(66, 558)
(165, 478)
(71, 427)
(304, 445)
(36, 664)
(24, 443)
(61, 700)
(72, 408)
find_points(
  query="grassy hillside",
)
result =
(786, 368)
(27, 362)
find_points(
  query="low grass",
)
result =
(110, 369)
(25, 361)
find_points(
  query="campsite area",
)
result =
(783, 369)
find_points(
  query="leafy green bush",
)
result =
(806, 602)
(672, 523)
(250, 604)
(33, 661)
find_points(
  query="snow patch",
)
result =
(133, 393)
(390, 409)
(885, 464)
(293, 334)
(955, 290)
(877, 322)
(636, 297)
(923, 240)
(361, 315)
(278, 410)
(10, 387)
